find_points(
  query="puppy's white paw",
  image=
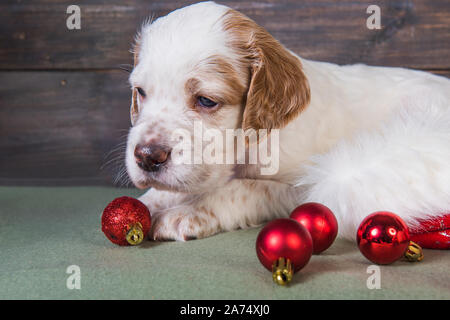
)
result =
(183, 223)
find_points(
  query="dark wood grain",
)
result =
(415, 33)
(443, 73)
(58, 127)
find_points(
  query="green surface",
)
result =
(45, 230)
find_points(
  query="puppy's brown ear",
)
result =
(278, 89)
(134, 108)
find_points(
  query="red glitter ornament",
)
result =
(126, 221)
(320, 222)
(433, 233)
(383, 237)
(284, 247)
(438, 223)
(433, 240)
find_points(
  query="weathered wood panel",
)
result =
(415, 33)
(63, 108)
(58, 127)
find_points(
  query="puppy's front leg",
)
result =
(239, 204)
(157, 200)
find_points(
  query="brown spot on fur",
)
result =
(278, 89)
(134, 107)
(231, 90)
(192, 86)
(196, 220)
(177, 221)
(209, 212)
(267, 193)
(250, 184)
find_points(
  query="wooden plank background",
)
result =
(64, 100)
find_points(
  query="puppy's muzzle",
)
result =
(151, 157)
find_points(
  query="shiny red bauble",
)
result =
(432, 233)
(284, 238)
(320, 222)
(126, 221)
(433, 240)
(383, 237)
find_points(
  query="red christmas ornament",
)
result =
(432, 224)
(284, 247)
(433, 240)
(433, 233)
(126, 221)
(383, 237)
(320, 222)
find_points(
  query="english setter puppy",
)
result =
(355, 138)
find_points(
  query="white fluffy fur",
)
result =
(372, 138)
(404, 167)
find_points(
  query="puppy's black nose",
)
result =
(150, 157)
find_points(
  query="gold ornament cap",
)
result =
(135, 235)
(414, 253)
(282, 271)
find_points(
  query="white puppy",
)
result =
(355, 138)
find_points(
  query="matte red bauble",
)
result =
(383, 237)
(126, 221)
(284, 247)
(320, 222)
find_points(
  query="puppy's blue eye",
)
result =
(141, 92)
(205, 102)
